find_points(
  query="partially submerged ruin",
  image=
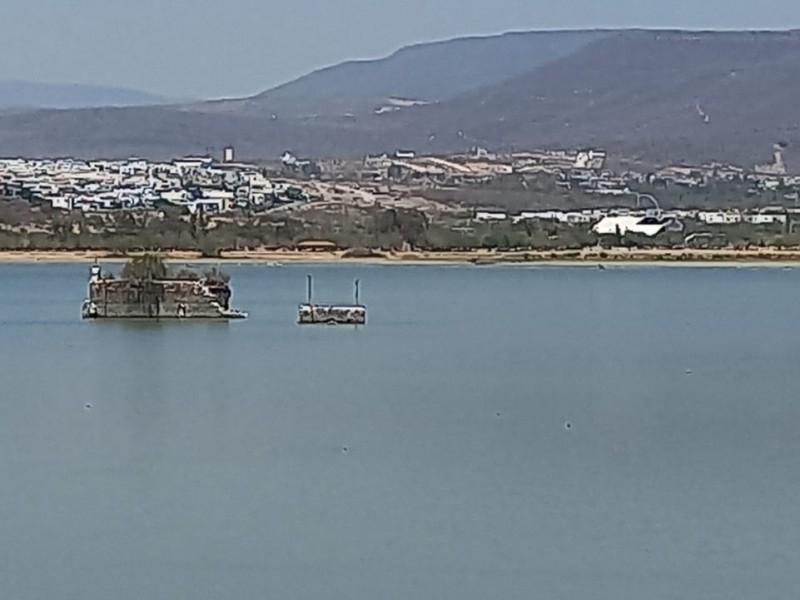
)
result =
(147, 289)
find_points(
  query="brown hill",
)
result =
(662, 96)
(659, 96)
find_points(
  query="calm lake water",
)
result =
(493, 432)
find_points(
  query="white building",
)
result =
(63, 202)
(175, 196)
(484, 215)
(192, 162)
(648, 225)
(767, 216)
(590, 159)
(719, 217)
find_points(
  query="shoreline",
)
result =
(764, 257)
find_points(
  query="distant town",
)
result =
(528, 199)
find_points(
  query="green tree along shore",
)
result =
(30, 227)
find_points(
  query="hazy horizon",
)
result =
(123, 86)
(203, 49)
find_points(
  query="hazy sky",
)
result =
(215, 48)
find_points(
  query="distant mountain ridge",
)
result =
(655, 96)
(27, 94)
(662, 96)
(431, 72)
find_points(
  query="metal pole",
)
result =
(308, 293)
(357, 303)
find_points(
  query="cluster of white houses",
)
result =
(203, 184)
(196, 183)
(573, 169)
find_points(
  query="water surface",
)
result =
(426, 455)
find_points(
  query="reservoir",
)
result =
(496, 432)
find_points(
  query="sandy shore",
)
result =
(677, 257)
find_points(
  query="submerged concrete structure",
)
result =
(158, 297)
(330, 314)
(309, 313)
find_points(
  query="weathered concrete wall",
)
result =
(309, 314)
(119, 298)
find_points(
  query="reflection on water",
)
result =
(153, 324)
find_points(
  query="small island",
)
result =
(148, 289)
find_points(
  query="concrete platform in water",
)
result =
(332, 314)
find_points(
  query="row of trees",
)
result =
(349, 227)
